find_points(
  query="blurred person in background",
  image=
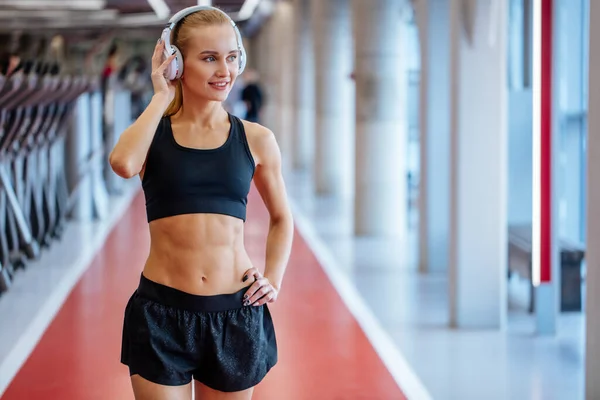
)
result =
(252, 95)
(234, 103)
(110, 66)
(10, 57)
(10, 63)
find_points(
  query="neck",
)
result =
(201, 112)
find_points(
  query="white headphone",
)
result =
(175, 69)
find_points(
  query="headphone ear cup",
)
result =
(177, 63)
(169, 70)
(242, 61)
(174, 68)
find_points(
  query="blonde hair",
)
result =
(180, 37)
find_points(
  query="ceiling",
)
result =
(142, 6)
(102, 15)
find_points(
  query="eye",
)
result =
(232, 57)
(210, 59)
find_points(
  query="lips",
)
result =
(219, 85)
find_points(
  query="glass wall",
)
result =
(572, 36)
(413, 71)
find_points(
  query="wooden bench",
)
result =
(571, 256)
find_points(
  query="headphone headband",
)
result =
(190, 10)
(175, 69)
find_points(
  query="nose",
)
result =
(222, 70)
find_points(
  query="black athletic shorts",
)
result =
(170, 337)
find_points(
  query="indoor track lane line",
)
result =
(323, 352)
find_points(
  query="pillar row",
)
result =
(381, 86)
(478, 165)
(332, 40)
(303, 87)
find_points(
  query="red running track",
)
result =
(323, 353)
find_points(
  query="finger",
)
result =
(253, 289)
(247, 274)
(259, 296)
(267, 298)
(252, 272)
(164, 65)
(157, 56)
(256, 291)
(159, 47)
(264, 288)
(160, 71)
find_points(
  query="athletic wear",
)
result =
(182, 180)
(170, 337)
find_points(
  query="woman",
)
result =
(200, 311)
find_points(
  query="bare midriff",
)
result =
(201, 254)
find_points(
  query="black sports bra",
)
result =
(182, 180)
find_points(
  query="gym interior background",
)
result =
(436, 154)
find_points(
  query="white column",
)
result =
(267, 67)
(303, 131)
(100, 194)
(276, 53)
(478, 164)
(78, 150)
(332, 39)
(433, 19)
(592, 345)
(283, 61)
(381, 85)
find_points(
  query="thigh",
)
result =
(203, 392)
(146, 390)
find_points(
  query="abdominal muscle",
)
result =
(201, 254)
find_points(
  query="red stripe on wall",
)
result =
(546, 143)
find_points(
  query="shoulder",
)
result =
(256, 132)
(261, 140)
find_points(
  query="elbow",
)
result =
(285, 219)
(122, 167)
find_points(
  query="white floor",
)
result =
(412, 309)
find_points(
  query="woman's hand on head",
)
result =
(261, 291)
(162, 86)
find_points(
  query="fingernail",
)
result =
(245, 297)
(245, 278)
(159, 40)
(245, 303)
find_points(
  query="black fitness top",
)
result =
(182, 180)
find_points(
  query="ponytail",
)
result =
(177, 101)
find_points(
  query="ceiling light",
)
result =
(247, 9)
(161, 9)
(58, 14)
(55, 4)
